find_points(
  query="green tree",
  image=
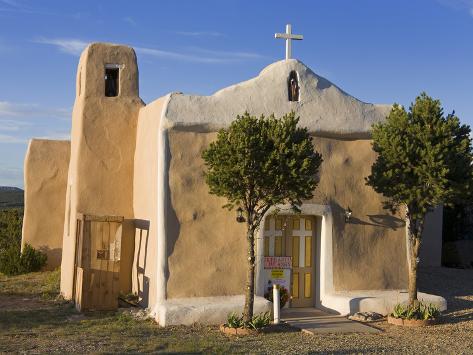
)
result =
(12, 261)
(11, 221)
(257, 163)
(424, 160)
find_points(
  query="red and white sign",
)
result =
(277, 262)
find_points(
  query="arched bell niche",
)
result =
(293, 86)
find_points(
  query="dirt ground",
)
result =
(33, 320)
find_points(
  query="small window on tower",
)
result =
(112, 80)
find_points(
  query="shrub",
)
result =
(260, 320)
(417, 311)
(234, 321)
(12, 262)
(11, 222)
(257, 322)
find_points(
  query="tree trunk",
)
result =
(413, 277)
(415, 235)
(250, 277)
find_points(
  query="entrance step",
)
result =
(315, 321)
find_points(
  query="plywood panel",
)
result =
(97, 281)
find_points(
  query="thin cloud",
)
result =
(12, 4)
(7, 125)
(9, 172)
(19, 7)
(461, 5)
(8, 139)
(56, 135)
(69, 46)
(188, 57)
(10, 176)
(193, 54)
(229, 54)
(200, 33)
(12, 110)
(130, 21)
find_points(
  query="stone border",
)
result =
(238, 331)
(282, 327)
(411, 322)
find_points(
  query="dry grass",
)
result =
(33, 320)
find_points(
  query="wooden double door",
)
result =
(294, 236)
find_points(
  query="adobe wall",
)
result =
(368, 253)
(45, 173)
(206, 246)
(100, 178)
(145, 199)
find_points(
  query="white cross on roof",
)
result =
(288, 36)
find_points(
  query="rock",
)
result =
(366, 316)
(136, 313)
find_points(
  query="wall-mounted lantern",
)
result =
(348, 215)
(240, 218)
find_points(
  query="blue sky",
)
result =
(378, 51)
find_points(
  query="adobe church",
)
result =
(123, 207)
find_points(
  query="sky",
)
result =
(377, 51)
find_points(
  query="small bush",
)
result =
(260, 321)
(257, 322)
(234, 321)
(12, 262)
(419, 311)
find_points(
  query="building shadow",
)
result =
(140, 280)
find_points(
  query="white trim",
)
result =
(162, 210)
(301, 250)
(204, 310)
(114, 66)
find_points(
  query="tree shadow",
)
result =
(376, 220)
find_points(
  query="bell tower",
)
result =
(103, 137)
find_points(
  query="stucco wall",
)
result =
(369, 252)
(145, 199)
(207, 248)
(45, 175)
(102, 145)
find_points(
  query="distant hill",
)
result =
(11, 197)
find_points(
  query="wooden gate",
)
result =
(97, 262)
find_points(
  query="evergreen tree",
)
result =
(424, 160)
(257, 163)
